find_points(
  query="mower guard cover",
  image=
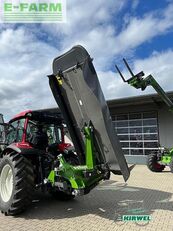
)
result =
(77, 91)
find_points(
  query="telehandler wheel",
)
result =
(152, 163)
(16, 183)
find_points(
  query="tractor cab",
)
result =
(42, 129)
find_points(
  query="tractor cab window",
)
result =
(15, 131)
(53, 132)
(31, 129)
(3, 128)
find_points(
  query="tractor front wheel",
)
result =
(16, 183)
(152, 163)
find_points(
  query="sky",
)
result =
(139, 30)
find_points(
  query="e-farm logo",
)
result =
(35, 11)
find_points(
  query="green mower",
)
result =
(34, 154)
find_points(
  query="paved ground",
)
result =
(145, 192)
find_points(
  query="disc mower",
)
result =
(34, 154)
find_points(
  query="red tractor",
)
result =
(33, 140)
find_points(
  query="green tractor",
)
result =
(34, 154)
(156, 161)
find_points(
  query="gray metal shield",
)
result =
(76, 89)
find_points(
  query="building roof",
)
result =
(137, 100)
(113, 103)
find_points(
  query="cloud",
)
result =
(25, 62)
(27, 51)
(135, 3)
(95, 27)
(91, 24)
(142, 29)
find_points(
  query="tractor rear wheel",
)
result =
(16, 183)
(152, 163)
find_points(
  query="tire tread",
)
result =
(23, 183)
